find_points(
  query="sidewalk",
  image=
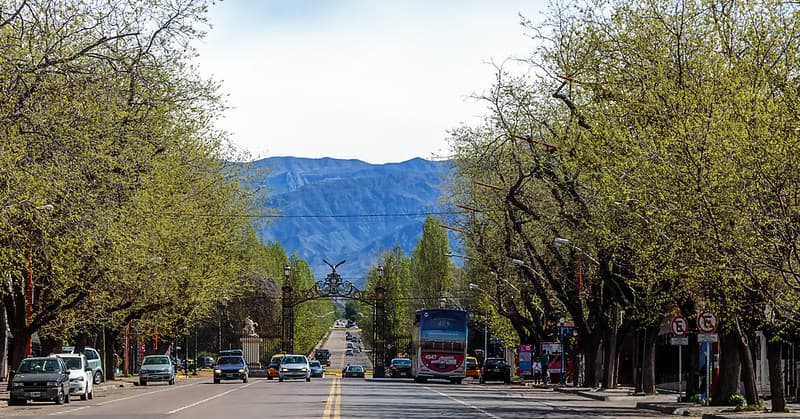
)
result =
(667, 403)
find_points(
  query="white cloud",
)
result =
(377, 81)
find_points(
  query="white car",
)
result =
(81, 381)
(94, 360)
(294, 366)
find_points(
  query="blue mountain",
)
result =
(336, 209)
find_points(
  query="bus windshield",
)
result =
(443, 331)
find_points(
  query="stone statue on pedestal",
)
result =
(249, 327)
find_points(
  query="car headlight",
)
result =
(19, 384)
(52, 383)
(217, 371)
(303, 369)
(78, 379)
(241, 370)
(284, 369)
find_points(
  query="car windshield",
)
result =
(293, 360)
(495, 363)
(471, 362)
(160, 360)
(401, 362)
(36, 366)
(315, 364)
(229, 360)
(354, 368)
(73, 363)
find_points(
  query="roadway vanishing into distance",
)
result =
(329, 398)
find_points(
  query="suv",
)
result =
(323, 356)
(93, 358)
(40, 378)
(294, 366)
(80, 375)
(496, 369)
(156, 368)
(231, 368)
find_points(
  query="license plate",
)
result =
(35, 394)
(228, 375)
(496, 369)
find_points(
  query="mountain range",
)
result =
(335, 209)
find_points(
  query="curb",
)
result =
(672, 410)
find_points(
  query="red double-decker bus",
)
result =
(439, 345)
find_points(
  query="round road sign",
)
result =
(679, 326)
(707, 322)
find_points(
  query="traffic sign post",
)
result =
(707, 324)
(679, 327)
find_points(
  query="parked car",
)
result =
(231, 367)
(93, 358)
(80, 375)
(353, 371)
(40, 378)
(496, 369)
(274, 366)
(206, 362)
(472, 367)
(156, 368)
(317, 370)
(348, 352)
(294, 366)
(400, 367)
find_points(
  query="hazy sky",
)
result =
(380, 81)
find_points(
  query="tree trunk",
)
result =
(3, 341)
(110, 364)
(776, 375)
(17, 352)
(729, 368)
(610, 349)
(589, 351)
(693, 366)
(577, 370)
(748, 369)
(649, 364)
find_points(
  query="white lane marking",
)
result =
(145, 394)
(208, 399)
(464, 403)
(69, 411)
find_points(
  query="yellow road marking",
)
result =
(334, 395)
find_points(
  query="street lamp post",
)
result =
(485, 325)
(561, 333)
(379, 356)
(221, 308)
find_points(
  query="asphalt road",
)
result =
(330, 398)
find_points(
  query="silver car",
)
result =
(317, 370)
(156, 368)
(294, 366)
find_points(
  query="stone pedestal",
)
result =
(251, 349)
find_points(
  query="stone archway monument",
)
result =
(333, 286)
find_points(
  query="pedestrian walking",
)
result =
(545, 361)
